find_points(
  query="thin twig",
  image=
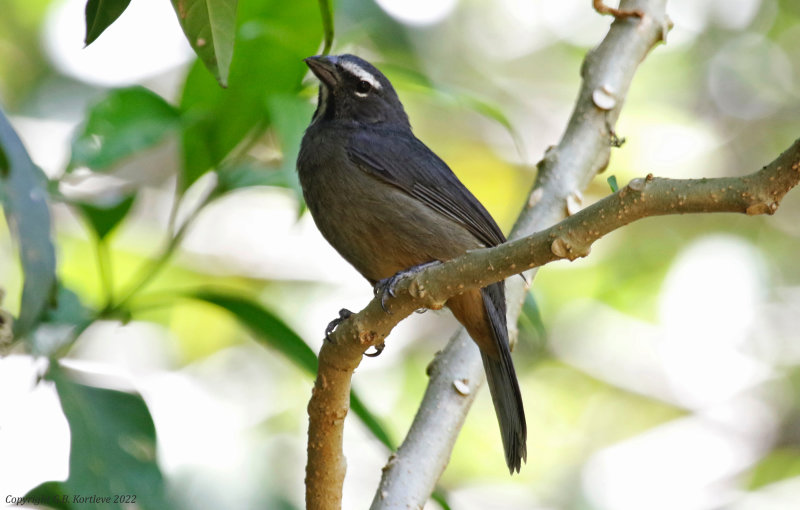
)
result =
(602, 8)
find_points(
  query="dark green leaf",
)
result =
(273, 332)
(124, 122)
(103, 219)
(4, 167)
(100, 14)
(612, 183)
(210, 27)
(23, 192)
(112, 448)
(273, 38)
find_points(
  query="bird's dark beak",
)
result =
(324, 68)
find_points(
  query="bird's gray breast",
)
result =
(375, 226)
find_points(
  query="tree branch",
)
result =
(602, 8)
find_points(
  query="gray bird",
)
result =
(387, 203)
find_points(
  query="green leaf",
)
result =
(249, 174)
(267, 327)
(612, 183)
(64, 320)
(104, 218)
(272, 39)
(210, 28)
(23, 193)
(112, 449)
(50, 494)
(778, 465)
(100, 14)
(68, 309)
(290, 116)
(273, 332)
(124, 122)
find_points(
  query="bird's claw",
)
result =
(344, 314)
(378, 350)
(387, 285)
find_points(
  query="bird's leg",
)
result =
(387, 285)
(344, 314)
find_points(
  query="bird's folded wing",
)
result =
(398, 158)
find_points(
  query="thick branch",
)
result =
(757, 193)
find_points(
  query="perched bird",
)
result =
(387, 203)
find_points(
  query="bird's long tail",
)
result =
(502, 379)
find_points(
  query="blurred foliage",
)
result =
(490, 115)
(125, 122)
(28, 214)
(273, 37)
(21, 61)
(778, 465)
(116, 438)
(104, 219)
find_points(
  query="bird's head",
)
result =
(352, 89)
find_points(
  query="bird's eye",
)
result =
(363, 87)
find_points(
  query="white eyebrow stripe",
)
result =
(362, 73)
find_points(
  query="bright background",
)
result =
(669, 374)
